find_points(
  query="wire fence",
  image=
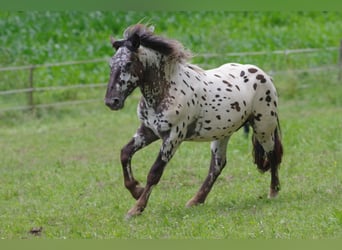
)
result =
(31, 89)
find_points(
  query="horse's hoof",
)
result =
(192, 203)
(273, 194)
(133, 212)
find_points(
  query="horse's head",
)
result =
(126, 72)
(140, 60)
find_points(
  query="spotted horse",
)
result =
(182, 102)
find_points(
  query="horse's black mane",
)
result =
(169, 47)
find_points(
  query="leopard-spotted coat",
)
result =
(182, 102)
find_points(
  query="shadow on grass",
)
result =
(250, 204)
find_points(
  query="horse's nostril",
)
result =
(115, 101)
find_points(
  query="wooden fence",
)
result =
(31, 89)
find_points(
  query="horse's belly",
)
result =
(215, 128)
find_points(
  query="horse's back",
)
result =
(251, 82)
(235, 93)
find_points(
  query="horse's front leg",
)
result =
(167, 150)
(143, 137)
(218, 162)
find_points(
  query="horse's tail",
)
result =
(260, 157)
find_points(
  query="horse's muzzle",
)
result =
(114, 103)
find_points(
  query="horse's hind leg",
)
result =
(267, 156)
(274, 158)
(275, 184)
(218, 161)
(143, 137)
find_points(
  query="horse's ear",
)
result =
(134, 42)
(112, 41)
(116, 43)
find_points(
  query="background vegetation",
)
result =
(59, 167)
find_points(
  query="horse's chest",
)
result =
(156, 121)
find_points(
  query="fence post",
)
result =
(340, 62)
(31, 89)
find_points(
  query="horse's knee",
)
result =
(217, 168)
(217, 164)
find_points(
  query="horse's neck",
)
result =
(156, 81)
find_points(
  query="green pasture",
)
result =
(60, 168)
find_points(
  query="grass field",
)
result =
(60, 168)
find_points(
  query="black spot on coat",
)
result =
(252, 70)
